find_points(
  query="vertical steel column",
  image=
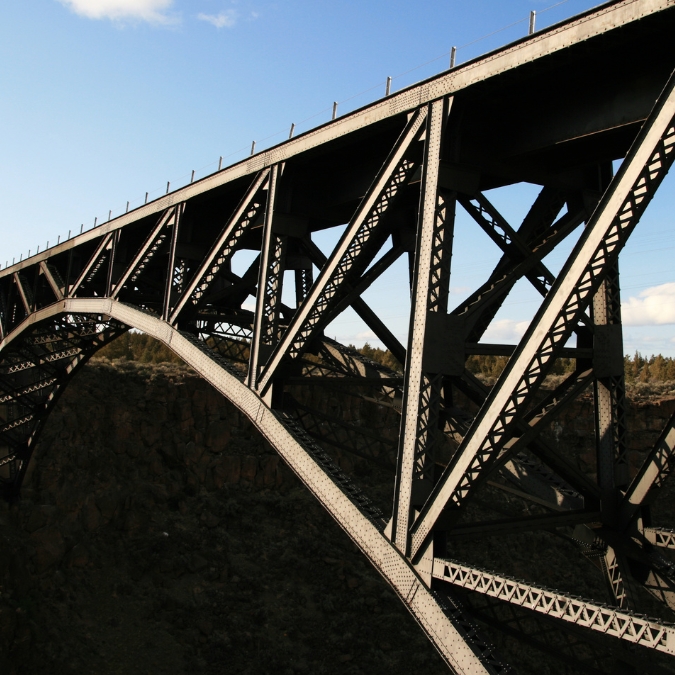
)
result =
(111, 262)
(4, 308)
(172, 261)
(270, 283)
(610, 425)
(610, 388)
(69, 271)
(423, 381)
(304, 278)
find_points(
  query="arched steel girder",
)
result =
(451, 632)
(35, 369)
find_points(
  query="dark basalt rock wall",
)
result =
(158, 533)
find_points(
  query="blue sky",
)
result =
(103, 100)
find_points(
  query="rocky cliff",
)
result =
(158, 533)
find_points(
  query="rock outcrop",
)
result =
(158, 533)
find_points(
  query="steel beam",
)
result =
(51, 280)
(347, 255)
(540, 483)
(481, 306)
(528, 429)
(616, 572)
(657, 466)
(24, 294)
(170, 269)
(508, 240)
(225, 246)
(304, 278)
(504, 527)
(270, 285)
(610, 409)
(358, 304)
(612, 223)
(146, 252)
(20, 393)
(423, 370)
(632, 628)
(660, 536)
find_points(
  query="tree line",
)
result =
(638, 368)
(138, 347)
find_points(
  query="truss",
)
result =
(467, 462)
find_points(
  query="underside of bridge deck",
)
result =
(556, 109)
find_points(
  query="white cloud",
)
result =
(505, 331)
(367, 335)
(153, 11)
(655, 306)
(225, 19)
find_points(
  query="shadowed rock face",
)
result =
(648, 409)
(158, 533)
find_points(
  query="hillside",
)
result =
(158, 533)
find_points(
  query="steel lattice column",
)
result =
(174, 274)
(304, 278)
(610, 392)
(270, 283)
(428, 318)
(610, 425)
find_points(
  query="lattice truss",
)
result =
(472, 469)
(34, 370)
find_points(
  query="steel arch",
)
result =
(450, 631)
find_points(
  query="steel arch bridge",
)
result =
(555, 109)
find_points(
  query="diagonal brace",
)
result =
(616, 216)
(394, 175)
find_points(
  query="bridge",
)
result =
(556, 109)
